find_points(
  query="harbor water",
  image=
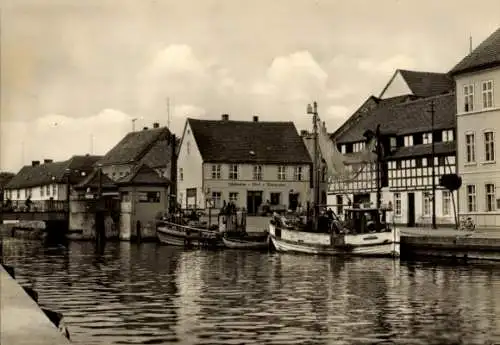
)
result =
(154, 294)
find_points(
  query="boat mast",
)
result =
(313, 110)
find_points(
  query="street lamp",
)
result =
(313, 110)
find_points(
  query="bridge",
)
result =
(41, 210)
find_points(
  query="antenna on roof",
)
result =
(168, 112)
(470, 44)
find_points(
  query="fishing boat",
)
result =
(363, 231)
(192, 235)
(258, 241)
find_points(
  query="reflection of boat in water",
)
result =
(364, 232)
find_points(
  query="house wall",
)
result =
(36, 193)
(479, 172)
(134, 210)
(397, 87)
(189, 169)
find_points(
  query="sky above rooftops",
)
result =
(75, 74)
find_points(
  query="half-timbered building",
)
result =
(418, 134)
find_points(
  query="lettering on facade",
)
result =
(237, 184)
(256, 184)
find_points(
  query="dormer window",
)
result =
(408, 140)
(393, 142)
(448, 135)
(343, 149)
(358, 147)
(427, 138)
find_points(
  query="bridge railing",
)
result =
(36, 206)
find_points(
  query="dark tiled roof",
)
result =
(143, 175)
(427, 84)
(31, 176)
(249, 142)
(92, 181)
(406, 118)
(486, 55)
(134, 146)
(160, 154)
(440, 148)
(369, 105)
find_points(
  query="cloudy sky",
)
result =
(75, 73)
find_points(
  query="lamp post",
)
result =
(313, 110)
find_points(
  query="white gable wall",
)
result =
(189, 169)
(397, 87)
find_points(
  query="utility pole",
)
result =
(379, 160)
(433, 155)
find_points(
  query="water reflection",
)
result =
(125, 293)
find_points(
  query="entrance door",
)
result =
(293, 201)
(411, 209)
(254, 200)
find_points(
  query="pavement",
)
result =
(22, 322)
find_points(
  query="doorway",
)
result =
(293, 201)
(254, 200)
(411, 209)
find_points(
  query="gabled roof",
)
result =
(55, 172)
(406, 118)
(159, 155)
(92, 181)
(143, 175)
(424, 84)
(486, 55)
(135, 145)
(228, 141)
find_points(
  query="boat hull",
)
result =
(234, 243)
(171, 235)
(383, 244)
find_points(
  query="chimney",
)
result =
(145, 129)
(255, 118)
(46, 161)
(156, 125)
(35, 163)
(225, 117)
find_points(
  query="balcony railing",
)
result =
(44, 206)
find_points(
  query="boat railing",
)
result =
(187, 229)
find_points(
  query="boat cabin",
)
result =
(366, 220)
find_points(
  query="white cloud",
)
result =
(57, 137)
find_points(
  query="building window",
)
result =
(233, 172)
(427, 203)
(188, 147)
(233, 197)
(448, 135)
(343, 149)
(149, 197)
(216, 199)
(47, 189)
(468, 98)
(487, 91)
(408, 140)
(446, 203)
(282, 173)
(42, 191)
(489, 146)
(298, 174)
(181, 174)
(397, 204)
(490, 197)
(275, 198)
(424, 162)
(216, 172)
(470, 148)
(427, 138)
(257, 172)
(54, 190)
(471, 198)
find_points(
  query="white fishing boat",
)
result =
(364, 231)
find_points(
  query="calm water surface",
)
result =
(153, 294)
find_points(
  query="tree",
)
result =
(452, 182)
